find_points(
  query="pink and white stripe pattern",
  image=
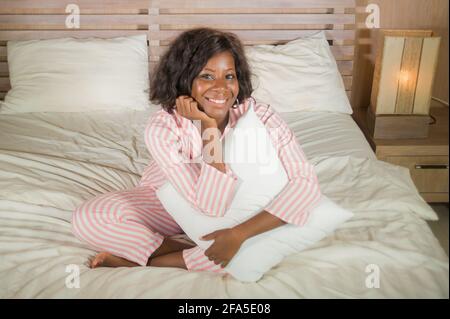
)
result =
(132, 223)
(172, 148)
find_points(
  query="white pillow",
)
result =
(301, 75)
(77, 75)
(261, 177)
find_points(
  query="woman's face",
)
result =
(216, 87)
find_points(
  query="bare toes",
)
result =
(99, 259)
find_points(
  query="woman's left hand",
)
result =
(226, 244)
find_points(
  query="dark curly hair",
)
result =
(187, 56)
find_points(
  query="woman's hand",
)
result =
(226, 244)
(188, 108)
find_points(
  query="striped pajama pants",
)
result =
(132, 224)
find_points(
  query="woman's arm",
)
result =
(212, 146)
(302, 192)
(292, 205)
(258, 224)
(207, 188)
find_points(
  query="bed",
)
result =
(52, 162)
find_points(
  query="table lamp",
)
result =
(403, 82)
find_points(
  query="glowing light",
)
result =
(404, 76)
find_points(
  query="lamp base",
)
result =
(397, 126)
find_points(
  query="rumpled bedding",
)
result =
(52, 162)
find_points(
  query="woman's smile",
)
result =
(217, 102)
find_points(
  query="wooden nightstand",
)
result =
(427, 158)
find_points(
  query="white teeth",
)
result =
(218, 101)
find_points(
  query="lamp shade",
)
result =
(404, 72)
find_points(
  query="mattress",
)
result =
(52, 162)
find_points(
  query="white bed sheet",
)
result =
(52, 162)
(324, 134)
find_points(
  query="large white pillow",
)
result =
(77, 75)
(261, 177)
(301, 75)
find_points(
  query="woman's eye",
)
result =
(211, 77)
(207, 76)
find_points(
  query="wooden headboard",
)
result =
(254, 21)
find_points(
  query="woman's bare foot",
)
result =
(168, 246)
(105, 259)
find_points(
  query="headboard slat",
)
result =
(341, 53)
(57, 22)
(274, 35)
(83, 4)
(238, 19)
(242, 10)
(253, 4)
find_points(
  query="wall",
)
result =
(399, 14)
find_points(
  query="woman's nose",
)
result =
(220, 84)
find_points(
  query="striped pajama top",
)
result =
(174, 142)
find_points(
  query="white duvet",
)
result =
(50, 163)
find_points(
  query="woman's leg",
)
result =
(177, 255)
(174, 259)
(169, 246)
(129, 226)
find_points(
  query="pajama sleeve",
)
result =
(205, 187)
(302, 192)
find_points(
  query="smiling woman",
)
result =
(204, 76)
(198, 60)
